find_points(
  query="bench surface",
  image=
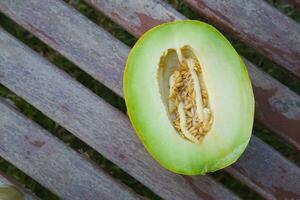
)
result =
(70, 175)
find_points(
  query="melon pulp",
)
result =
(189, 97)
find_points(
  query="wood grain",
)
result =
(136, 16)
(259, 25)
(91, 119)
(51, 163)
(103, 57)
(292, 106)
(6, 181)
(57, 24)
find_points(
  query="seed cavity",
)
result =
(184, 93)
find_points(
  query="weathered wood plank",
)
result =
(57, 24)
(276, 106)
(137, 16)
(103, 57)
(51, 163)
(94, 121)
(259, 25)
(260, 84)
(6, 181)
(267, 172)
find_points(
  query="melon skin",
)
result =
(227, 82)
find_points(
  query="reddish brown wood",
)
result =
(136, 16)
(277, 107)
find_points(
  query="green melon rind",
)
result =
(229, 137)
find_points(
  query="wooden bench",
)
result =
(65, 172)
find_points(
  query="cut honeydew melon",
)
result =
(189, 97)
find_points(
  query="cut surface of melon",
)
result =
(189, 97)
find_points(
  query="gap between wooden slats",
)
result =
(117, 58)
(50, 162)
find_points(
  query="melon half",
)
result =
(189, 97)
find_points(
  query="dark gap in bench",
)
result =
(277, 143)
(26, 180)
(101, 20)
(238, 187)
(251, 54)
(53, 127)
(285, 7)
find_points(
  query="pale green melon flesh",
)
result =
(230, 93)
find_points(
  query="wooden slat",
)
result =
(50, 162)
(137, 16)
(6, 181)
(261, 83)
(276, 106)
(103, 57)
(94, 121)
(267, 172)
(259, 25)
